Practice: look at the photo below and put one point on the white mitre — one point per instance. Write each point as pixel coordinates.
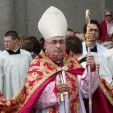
(52, 23)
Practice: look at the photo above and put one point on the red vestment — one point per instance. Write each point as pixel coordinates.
(102, 99)
(43, 71)
(103, 31)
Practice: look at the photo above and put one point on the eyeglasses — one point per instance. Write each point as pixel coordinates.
(55, 42)
(108, 15)
(94, 30)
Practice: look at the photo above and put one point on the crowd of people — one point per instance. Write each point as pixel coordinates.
(52, 75)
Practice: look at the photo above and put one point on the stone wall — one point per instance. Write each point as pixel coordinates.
(23, 15)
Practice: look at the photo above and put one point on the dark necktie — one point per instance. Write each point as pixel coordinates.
(93, 49)
(13, 52)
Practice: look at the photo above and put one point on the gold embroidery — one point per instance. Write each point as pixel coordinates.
(33, 81)
(108, 93)
(50, 110)
(74, 93)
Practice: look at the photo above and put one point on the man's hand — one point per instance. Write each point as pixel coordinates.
(90, 60)
(61, 87)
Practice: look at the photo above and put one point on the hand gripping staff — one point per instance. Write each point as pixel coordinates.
(88, 37)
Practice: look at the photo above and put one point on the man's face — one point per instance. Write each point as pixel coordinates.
(69, 33)
(94, 31)
(9, 43)
(108, 16)
(55, 47)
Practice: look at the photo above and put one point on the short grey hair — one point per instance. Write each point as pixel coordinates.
(107, 10)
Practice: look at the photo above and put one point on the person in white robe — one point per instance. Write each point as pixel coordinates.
(106, 67)
(96, 48)
(51, 25)
(14, 65)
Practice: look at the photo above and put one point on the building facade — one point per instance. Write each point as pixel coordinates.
(23, 15)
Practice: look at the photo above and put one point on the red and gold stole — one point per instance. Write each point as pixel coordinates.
(42, 71)
(102, 98)
(106, 89)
